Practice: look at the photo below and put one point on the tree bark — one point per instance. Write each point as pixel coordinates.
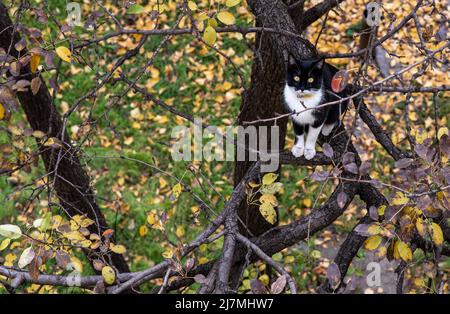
(71, 181)
(264, 97)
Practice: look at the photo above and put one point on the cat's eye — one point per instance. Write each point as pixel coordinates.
(310, 80)
(296, 78)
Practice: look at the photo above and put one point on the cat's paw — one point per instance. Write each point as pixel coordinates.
(297, 151)
(310, 153)
(326, 130)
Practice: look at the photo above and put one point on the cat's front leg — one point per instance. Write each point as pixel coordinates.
(311, 139)
(299, 148)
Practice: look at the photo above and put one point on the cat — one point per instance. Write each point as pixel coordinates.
(308, 85)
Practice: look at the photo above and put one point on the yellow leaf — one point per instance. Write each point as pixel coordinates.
(151, 218)
(253, 185)
(399, 199)
(143, 230)
(202, 16)
(64, 53)
(159, 7)
(289, 259)
(34, 63)
(381, 210)
(269, 178)
(77, 264)
(404, 251)
(192, 5)
(307, 202)
(108, 274)
(180, 231)
(118, 249)
(226, 17)
(372, 242)
(442, 131)
(436, 234)
(2, 112)
(210, 35)
(176, 190)
(202, 248)
(52, 141)
(381, 252)
(168, 254)
(5, 244)
(268, 212)
(269, 198)
(232, 3)
(271, 188)
(264, 279)
(74, 236)
(421, 227)
(374, 229)
(9, 259)
(421, 136)
(212, 22)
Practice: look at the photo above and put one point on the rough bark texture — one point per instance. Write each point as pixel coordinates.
(71, 182)
(264, 97)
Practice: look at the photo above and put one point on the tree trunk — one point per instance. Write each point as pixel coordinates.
(264, 97)
(62, 164)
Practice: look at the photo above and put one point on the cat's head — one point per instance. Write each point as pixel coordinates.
(304, 76)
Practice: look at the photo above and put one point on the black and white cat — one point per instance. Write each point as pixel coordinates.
(308, 85)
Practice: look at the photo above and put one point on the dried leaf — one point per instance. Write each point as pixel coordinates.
(339, 81)
(199, 278)
(257, 287)
(35, 85)
(10, 231)
(26, 257)
(373, 212)
(327, 150)
(34, 62)
(342, 199)
(279, 284)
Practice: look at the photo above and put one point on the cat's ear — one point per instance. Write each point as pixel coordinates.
(291, 60)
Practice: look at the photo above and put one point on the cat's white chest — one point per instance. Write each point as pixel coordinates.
(297, 104)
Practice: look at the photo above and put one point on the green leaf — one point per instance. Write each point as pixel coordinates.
(135, 9)
(232, 3)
